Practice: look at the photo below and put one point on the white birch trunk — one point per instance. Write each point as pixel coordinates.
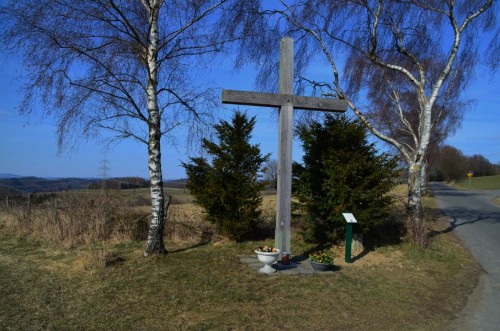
(155, 236)
(415, 190)
(416, 174)
(416, 227)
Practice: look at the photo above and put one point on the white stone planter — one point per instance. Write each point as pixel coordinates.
(268, 258)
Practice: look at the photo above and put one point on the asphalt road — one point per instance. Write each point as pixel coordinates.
(476, 221)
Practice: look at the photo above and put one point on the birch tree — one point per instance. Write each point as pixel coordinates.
(123, 66)
(409, 60)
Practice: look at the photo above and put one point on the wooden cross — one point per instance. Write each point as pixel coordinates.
(286, 101)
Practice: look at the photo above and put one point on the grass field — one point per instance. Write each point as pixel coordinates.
(179, 195)
(206, 287)
(479, 183)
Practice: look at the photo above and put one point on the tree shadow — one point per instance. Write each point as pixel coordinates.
(455, 215)
(459, 216)
(206, 238)
(360, 255)
(180, 250)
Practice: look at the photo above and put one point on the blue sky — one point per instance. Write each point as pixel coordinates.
(28, 143)
(480, 132)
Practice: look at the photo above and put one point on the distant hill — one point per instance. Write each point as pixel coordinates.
(15, 185)
(26, 185)
(9, 176)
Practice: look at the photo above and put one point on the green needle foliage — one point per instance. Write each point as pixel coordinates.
(341, 172)
(228, 189)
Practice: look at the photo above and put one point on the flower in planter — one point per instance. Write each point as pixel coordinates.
(267, 249)
(322, 257)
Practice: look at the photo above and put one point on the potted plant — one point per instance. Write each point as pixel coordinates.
(321, 261)
(267, 255)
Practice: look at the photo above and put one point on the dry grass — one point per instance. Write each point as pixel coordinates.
(95, 219)
(203, 286)
(207, 288)
(185, 223)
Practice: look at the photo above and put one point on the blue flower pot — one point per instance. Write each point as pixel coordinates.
(320, 266)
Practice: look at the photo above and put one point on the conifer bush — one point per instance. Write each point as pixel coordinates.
(341, 172)
(226, 186)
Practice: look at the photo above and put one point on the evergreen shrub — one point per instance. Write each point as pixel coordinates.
(341, 172)
(227, 187)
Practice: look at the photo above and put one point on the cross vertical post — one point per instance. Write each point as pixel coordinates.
(284, 203)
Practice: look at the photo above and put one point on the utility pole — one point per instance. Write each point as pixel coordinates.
(104, 171)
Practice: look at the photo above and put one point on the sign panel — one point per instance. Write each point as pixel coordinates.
(349, 218)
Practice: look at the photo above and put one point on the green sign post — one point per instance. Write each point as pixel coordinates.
(350, 220)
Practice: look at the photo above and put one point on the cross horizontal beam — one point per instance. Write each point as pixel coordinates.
(277, 100)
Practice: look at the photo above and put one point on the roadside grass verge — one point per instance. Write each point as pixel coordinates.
(479, 183)
(207, 288)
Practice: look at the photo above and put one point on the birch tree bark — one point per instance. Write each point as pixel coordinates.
(155, 235)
